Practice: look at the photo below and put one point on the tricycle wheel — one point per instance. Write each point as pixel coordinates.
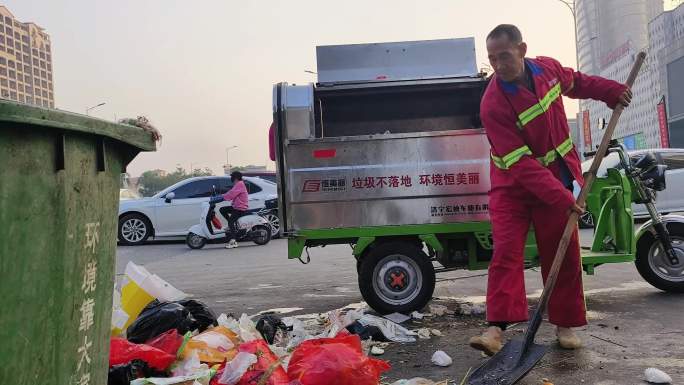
(396, 277)
(653, 264)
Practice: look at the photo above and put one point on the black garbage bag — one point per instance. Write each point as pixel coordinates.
(367, 332)
(160, 317)
(124, 374)
(269, 325)
(204, 316)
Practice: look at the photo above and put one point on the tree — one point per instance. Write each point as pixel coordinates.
(153, 181)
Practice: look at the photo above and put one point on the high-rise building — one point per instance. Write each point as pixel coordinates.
(666, 34)
(25, 62)
(609, 34)
(574, 130)
(672, 4)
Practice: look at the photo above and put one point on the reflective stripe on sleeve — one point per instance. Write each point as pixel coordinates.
(505, 162)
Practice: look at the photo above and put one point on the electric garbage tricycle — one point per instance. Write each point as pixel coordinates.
(386, 152)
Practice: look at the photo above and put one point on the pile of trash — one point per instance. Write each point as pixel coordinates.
(160, 337)
(232, 351)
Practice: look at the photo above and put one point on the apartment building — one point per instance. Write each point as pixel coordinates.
(25, 62)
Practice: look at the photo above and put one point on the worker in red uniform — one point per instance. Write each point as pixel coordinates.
(533, 165)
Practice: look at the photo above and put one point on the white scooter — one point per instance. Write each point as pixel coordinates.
(251, 227)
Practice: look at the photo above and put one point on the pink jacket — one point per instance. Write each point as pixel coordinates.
(238, 194)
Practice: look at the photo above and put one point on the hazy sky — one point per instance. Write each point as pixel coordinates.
(202, 71)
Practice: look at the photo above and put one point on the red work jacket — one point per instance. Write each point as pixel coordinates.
(529, 131)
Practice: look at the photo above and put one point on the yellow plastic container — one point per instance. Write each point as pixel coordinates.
(140, 287)
(133, 300)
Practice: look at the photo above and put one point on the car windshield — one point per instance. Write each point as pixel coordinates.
(173, 187)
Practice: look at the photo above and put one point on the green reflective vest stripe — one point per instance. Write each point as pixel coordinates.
(541, 107)
(505, 162)
(562, 149)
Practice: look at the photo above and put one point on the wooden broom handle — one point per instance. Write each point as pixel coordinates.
(589, 178)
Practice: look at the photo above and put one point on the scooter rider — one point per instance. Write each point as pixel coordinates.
(238, 197)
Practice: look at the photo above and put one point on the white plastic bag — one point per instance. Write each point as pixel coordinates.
(236, 368)
(298, 334)
(392, 331)
(336, 323)
(440, 358)
(119, 316)
(353, 316)
(248, 331)
(189, 366)
(215, 340)
(414, 381)
(657, 376)
(229, 322)
(244, 327)
(201, 377)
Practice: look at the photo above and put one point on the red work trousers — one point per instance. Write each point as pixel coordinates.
(511, 213)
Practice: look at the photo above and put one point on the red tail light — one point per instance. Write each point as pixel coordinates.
(216, 222)
(325, 153)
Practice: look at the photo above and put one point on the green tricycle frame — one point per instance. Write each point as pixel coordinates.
(615, 241)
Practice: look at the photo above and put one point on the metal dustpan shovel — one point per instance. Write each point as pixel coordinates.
(519, 356)
(516, 358)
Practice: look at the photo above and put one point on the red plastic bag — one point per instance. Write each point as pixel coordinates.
(338, 360)
(122, 352)
(168, 342)
(266, 360)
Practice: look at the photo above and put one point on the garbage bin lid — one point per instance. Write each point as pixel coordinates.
(62, 120)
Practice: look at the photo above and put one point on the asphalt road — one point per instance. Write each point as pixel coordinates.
(632, 325)
(254, 278)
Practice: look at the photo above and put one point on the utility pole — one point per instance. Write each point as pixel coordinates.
(580, 123)
(227, 168)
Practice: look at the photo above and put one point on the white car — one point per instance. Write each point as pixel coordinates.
(172, 211)
(669, 200)
(125, 194)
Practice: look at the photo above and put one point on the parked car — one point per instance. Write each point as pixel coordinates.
(125, 194)
(268, 175)
(669, 200)
(172, 211)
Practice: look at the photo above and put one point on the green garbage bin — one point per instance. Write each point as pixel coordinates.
(59, 192)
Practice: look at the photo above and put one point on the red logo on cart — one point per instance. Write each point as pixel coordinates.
(312, 185)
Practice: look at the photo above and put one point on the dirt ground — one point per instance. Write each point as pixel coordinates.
(627, 333)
